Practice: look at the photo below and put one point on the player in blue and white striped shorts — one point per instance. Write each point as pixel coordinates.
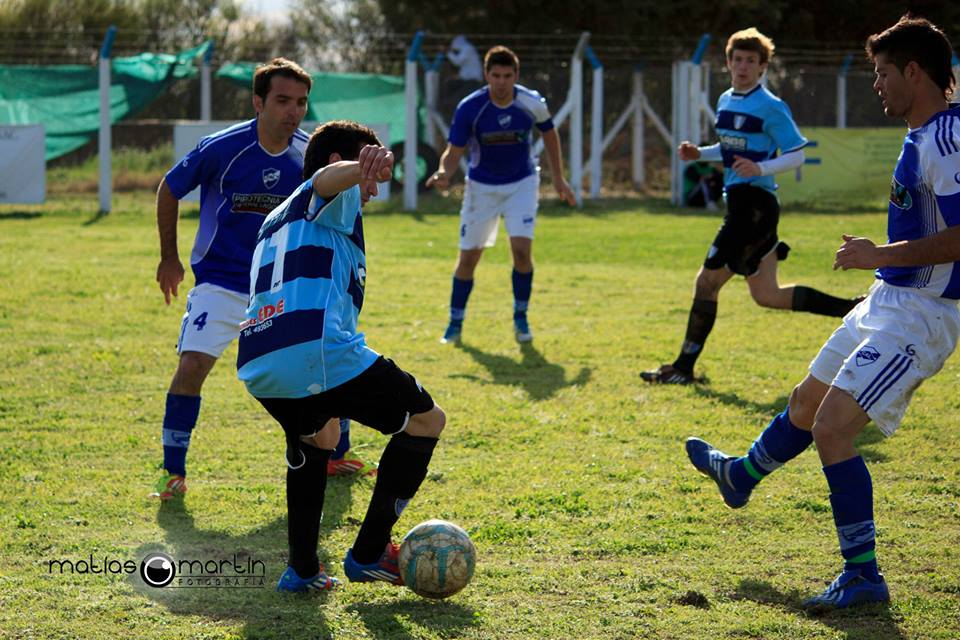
(898, 337)
(496, 123)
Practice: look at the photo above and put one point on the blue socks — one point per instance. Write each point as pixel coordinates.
(179, 420)
(522, 287)
(344, 444)
(458, 300)
(851, 496)
(779, 443)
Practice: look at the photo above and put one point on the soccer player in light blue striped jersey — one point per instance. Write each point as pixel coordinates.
(304, 360)
(496, 124)
(758, 138)
(899, 336)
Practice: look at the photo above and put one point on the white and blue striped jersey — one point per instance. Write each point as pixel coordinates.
(499, 138)
(306, 286)
(754, 125)
(925, 199)
(240, 183)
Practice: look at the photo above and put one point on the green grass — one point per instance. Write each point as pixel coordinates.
(568, 473)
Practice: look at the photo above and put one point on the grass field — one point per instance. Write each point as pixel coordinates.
(568, 472)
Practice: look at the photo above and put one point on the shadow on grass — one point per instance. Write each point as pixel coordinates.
(733, 399)
(871, 435)
(866, 622)
(19, 215)
(95, 218)
(538, 377)
(391, 620)
(251, 599)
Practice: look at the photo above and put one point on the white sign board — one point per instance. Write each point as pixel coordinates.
(187, 135)
(23, 167)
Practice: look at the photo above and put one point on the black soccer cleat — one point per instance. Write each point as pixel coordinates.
(667, 374)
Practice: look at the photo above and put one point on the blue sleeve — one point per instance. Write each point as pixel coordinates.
(198, 167)
(339, 213)
(780, 126)
(546, 125)
(460, 128)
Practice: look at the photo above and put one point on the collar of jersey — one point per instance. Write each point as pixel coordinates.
(751, 92)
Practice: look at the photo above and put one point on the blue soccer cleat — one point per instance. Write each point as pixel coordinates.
(716, 464)
(386, 569)
(521, 330)
(292, 583)
(452, 334)
(849, 589)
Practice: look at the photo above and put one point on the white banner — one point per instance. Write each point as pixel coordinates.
(186, 136)
(22, 165)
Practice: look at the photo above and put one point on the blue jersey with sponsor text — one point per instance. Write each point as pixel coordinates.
(499, 139)
(240, 183)
(925, 199)
(755, 125)
(306, 286)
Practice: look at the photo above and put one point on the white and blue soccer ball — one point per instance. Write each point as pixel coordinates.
(437, 559)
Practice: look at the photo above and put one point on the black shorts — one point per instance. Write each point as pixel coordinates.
(382, 397)
(748, 232)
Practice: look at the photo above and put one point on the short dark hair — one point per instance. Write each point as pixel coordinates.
(344, 137)
(502, 57)
(278, 67)
(751, 40)
(916, 40)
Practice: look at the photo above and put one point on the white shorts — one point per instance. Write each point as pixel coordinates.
(886, 346)
(212, 320)
(483, 204)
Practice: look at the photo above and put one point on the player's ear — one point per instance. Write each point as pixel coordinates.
(334, 157)
(257, 104)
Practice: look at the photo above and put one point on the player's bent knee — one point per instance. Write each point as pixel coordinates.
(192, 370)
(428, 424)
(327, 437)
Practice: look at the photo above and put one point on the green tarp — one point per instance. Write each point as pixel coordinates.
(855, 166)
(364, 97)
(66, 98)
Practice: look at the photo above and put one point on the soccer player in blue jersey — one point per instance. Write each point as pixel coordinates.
(302, 357)
(496, 123)
(898, 337)
(243, 173)
(754, 126)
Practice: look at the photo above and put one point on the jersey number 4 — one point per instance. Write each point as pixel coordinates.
(201, 321)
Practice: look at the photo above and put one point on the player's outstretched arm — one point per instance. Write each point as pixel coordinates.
(373, 165)
(448, 167)
(688, 151)
(551, 143)
(170, 269)
(862, 253)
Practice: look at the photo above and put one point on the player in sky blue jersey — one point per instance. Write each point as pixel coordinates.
(243, 173)
(496, 124)
(754, 126)
(898, 337)
(303, 359)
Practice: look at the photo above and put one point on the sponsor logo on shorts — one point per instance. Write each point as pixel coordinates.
(956, 177)
(867, 355)
(271, 177)
(712, 251)
(528, 220)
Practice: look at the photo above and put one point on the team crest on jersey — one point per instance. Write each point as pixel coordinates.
(271, 177)
(900, 195)
(867, 355)
(505, 120)
(739, 121)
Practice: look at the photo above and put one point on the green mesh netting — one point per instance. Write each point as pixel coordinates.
(66, 98)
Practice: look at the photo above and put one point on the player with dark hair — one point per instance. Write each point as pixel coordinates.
(302, 358)
(754, 126)
(243, 173)
(496, 122)
(898, 337)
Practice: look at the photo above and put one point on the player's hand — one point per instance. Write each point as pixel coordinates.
(688, 151)
(565, 191)
(376, 163)
(439, 180)
(857, 253)
(745, 167)
(169, 275)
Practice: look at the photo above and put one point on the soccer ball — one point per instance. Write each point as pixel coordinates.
(437, 559)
